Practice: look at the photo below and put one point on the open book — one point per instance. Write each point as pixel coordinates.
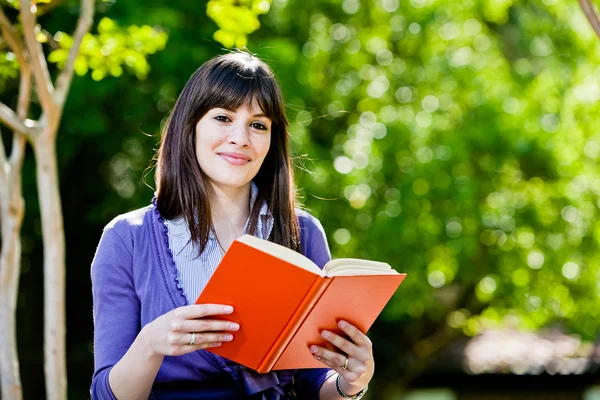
(282, 301)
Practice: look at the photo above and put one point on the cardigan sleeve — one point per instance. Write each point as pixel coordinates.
(308, 382)
(116, 307)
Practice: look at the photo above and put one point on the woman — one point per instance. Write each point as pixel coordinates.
(223, 170)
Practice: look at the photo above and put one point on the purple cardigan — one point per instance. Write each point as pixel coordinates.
(134, 281)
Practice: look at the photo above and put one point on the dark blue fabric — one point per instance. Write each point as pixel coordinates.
(195, 391)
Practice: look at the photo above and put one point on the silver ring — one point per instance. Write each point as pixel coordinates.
(193, 340)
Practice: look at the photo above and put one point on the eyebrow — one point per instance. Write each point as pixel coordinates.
(255, 115)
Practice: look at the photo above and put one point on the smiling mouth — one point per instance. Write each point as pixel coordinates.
(234, 160)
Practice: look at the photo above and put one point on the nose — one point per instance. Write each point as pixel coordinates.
(239, 135)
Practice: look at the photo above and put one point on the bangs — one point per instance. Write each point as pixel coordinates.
(238, 84)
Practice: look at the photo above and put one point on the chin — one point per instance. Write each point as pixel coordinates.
(231, 182)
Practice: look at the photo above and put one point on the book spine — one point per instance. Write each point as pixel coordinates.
(296, 320)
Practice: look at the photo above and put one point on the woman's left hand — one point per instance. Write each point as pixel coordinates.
(359, 350)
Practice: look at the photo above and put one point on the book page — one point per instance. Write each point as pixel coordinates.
(281, 252)
(355, 266)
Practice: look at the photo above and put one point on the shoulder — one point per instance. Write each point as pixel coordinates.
(309, 222)
(129, 224)
(311, 229)
(130, 220)
(113, 262)
(313, 238)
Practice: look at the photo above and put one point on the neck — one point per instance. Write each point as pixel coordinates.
(229, 207)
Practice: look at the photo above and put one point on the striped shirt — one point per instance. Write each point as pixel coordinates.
(193, 271)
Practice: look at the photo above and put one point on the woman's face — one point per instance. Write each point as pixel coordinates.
(231, 145)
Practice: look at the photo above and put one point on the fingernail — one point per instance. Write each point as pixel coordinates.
(228, 309)
(314, 349)
(343, 324)
(235, 326)
(325, 334)
(228, 337)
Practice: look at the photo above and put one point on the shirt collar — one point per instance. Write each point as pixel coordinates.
(180, 233)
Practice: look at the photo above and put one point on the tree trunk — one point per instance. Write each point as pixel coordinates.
(12, 210)
(11, 215)
(54, 265)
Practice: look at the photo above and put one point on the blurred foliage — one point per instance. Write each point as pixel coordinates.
(456, 141)
(236, 19)
(106, 53)
(113, 48)
(9, 69)
(15, 3)
(468, 158)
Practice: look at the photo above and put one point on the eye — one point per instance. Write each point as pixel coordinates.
(223, 118)
(261, 126)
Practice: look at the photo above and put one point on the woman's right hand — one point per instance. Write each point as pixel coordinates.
(171, 333)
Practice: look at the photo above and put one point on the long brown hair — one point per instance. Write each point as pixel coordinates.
(226, 81)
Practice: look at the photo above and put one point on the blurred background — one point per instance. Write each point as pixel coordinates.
(457, 141)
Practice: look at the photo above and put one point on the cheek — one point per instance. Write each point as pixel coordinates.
(262, 146)
(206, 143)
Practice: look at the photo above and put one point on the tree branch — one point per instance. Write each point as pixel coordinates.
(591, 15)
(24, 101)
(6, 114)
(18, 122)
(53, 43)
(3, 163)
(11, 120)
(47, 7)
(15, 43)
(86, 18)
(41, 75)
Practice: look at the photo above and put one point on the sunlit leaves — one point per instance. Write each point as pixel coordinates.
(9, 68)
(496, 11)
(112, 50)
(15, 3)
(236, 19)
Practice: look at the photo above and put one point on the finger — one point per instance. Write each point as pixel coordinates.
(355, 334)
(204, 345)
(201, 310)
(200, 346)
(350, 376)
(346, 346)
(332, 356)
(204, 338)
(203, 325)
(178, 350)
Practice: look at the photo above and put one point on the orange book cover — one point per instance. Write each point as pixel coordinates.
(282, 307)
